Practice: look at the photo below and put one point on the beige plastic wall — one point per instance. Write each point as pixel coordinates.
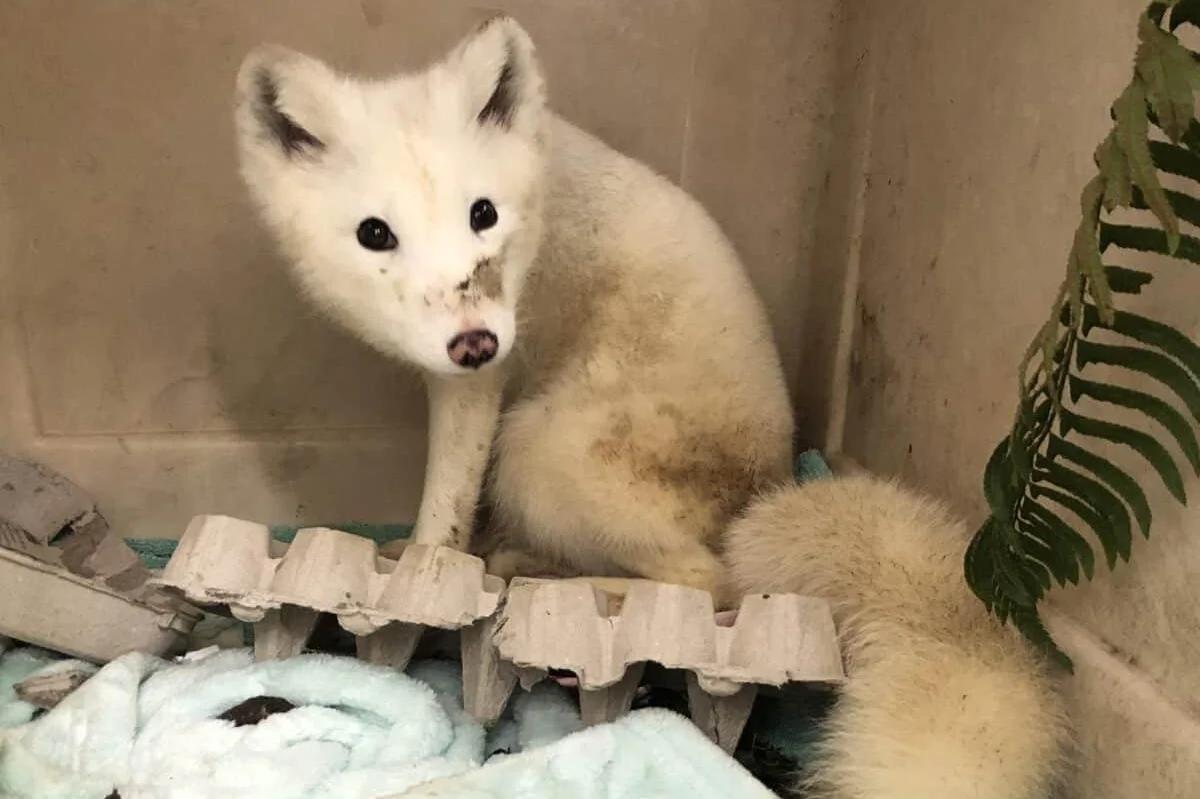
(152, 348)
(965, 137)
(906, 237)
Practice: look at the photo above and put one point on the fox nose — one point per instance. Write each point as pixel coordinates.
(473, 348)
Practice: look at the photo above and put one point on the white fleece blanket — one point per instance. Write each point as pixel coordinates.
(649, 754)
(150, 730)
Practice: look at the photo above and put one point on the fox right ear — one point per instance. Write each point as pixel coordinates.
(283, 102)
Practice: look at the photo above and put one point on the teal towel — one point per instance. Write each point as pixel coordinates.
(810, 465)
(155, 552)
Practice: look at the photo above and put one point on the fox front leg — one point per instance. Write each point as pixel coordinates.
(463, 414)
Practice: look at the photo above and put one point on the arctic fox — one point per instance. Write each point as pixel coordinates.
(941, 701)
(452, 221)
(591, 342)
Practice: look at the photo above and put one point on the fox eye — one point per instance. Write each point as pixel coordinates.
(483, 215)
(374, 234)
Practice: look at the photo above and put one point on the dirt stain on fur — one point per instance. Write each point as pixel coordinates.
(590, 312)
(487, 278)
(459, 538)
(713, 482)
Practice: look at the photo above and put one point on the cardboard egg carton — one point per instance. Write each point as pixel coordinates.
(605, 635)
(385, 603)
(604, 630)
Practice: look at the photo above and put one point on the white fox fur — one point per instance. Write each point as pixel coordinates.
(644, 398)
(941, 702)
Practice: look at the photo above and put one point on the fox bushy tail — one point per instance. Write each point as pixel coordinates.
(941, 702)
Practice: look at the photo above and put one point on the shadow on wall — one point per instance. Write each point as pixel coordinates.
(290, 379)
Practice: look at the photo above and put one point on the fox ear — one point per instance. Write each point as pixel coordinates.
(501, 75)
(283, 102)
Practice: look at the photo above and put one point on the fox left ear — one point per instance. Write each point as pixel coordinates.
(502, 77)
(284, 103)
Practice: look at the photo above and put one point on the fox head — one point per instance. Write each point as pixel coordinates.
(410, 207)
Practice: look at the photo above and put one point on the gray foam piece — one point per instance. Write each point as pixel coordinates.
(37, 503)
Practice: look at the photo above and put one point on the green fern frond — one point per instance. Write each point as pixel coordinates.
(1044, 471)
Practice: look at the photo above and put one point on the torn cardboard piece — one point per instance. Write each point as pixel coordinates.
(46, 516)
(45, 605)
(67, 583)
(37, 502)
(386, 604)
(54, 683)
